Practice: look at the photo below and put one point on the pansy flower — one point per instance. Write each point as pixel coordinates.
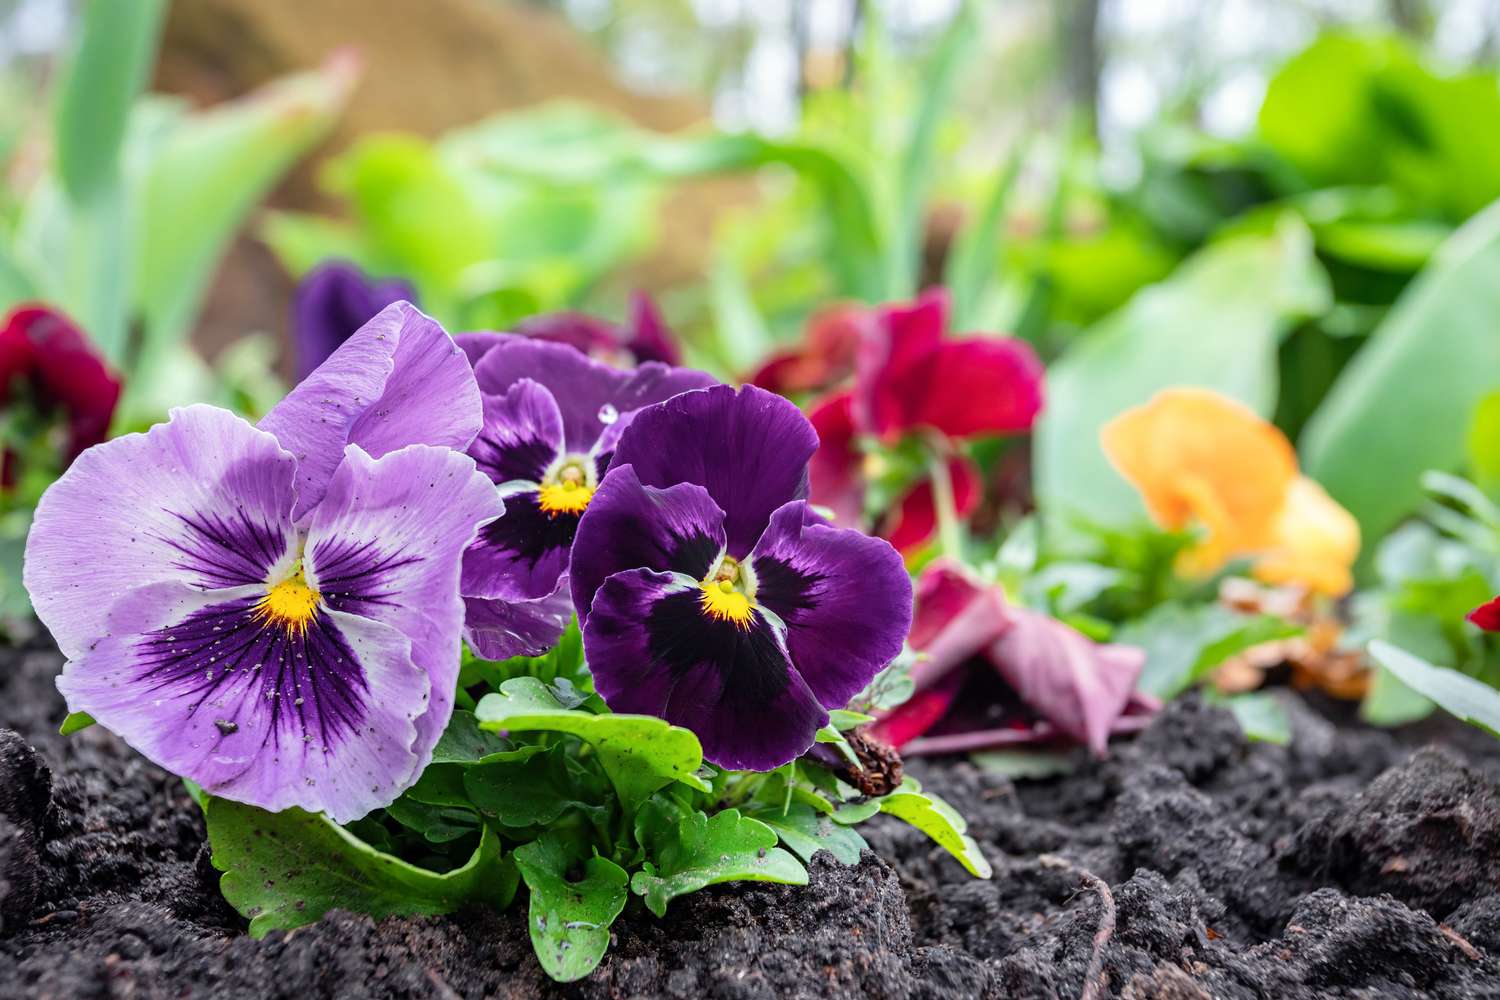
(644, 336)
(273, 611)
(910, 380)
(994, 674)
(47, 363)
(552, 416)
(712, 596)
(824, 358)
(1201, 458)
(332, 301)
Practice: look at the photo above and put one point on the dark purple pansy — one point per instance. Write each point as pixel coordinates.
(273, 611)
(333, 300)
(712, 596)
(551, 418)
(644, 336)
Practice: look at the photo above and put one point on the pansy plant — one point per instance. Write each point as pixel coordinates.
(283, 631)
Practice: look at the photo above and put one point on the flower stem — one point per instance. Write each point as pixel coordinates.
(950, 532)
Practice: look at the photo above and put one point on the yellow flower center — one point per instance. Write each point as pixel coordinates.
(290, 603)
(566, 491)
(728, 593)
(566, 497)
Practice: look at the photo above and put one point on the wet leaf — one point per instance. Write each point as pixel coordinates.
(640, 753)
(569, 920)
(938, 820)
(804, 832)
(287, 869)
(690, 851)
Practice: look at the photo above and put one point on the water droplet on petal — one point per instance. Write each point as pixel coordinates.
(608, 414)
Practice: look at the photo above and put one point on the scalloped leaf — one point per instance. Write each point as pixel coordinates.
(938, 820)
(805, 832)
(286, 869)
(569, 920)
(640, 753)
(692, 850)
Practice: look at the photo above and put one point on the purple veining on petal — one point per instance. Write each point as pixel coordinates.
(522, 434)
(226, 548)
(355, 575)
(522, 554)
(310, 680)
(653, 650)
(630, 526)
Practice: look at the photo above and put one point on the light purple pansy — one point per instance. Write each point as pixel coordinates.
(551, 419)
(712, 596)
(273, 611)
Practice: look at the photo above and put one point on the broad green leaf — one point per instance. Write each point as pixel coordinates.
(75, 722)
(569, 919)
(938, 820)
(1215, 323)
(1459, 694)
(692, 851)
(533, 791)
(438, 824)
(1183, 643)
(463, 742)
(1023, 765)
(1405, 403)
(805, 832)
(104, 77)
(209, 172)
(287, 869)
(640, 753)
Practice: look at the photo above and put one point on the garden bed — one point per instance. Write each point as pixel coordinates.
(1352, 863)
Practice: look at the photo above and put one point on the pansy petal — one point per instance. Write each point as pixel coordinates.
(1315, 544)
(590, 394)
(748, 448)
(631, 526)
(399, 380)
(649, 338)
(1487, 615)
(202, 499)
(652, 650)
(332, 301)
(476, 344)
(521, 555)
(899, 335)
(845, 599)
(914, 521)
(322, 718)
(833, 473)
(498, 630)
(522, 434)
(989, 385)
(69, 372)
(386, 544)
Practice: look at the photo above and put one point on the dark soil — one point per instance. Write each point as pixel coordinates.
(1353, 863)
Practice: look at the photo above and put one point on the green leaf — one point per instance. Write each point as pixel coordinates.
(211, 169)
(640, 753)
(1483, 450)
(1260, 716)
(1459, 694)
(530, 791)
(569, 919)
(842, 719)
(938, 820)
(1023, 765)
(692, 851)
(805, 832)
(75, 722)
(1183, 643)
(464, 742)
(287, 869)
(103, 80)
(974, 263)
(1437, 354)
(1215, 323)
